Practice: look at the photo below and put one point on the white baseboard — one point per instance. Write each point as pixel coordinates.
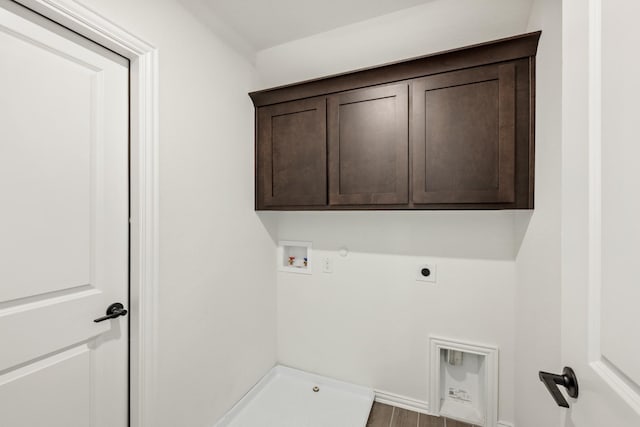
(402, 402)
(414, 405)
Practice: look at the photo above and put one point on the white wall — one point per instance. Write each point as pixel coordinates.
(432, 27)
(538, 261)
(216, 328)
(369, 321)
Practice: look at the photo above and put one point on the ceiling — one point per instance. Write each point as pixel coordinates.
(260, 24)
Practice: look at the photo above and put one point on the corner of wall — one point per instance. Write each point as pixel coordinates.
(538, 259)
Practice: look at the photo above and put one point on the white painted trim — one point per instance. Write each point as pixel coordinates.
(491, 374)
(624, 389)
(410, 404)
(595, 180)
(144, 142)
(403, 402)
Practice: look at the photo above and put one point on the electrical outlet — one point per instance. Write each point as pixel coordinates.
(327, 265)
(426, 273)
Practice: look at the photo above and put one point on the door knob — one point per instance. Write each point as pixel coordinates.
(567, 379)
(114, 310)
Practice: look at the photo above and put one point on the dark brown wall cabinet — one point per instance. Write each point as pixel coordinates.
(369, 146)
(446, 131)
(292, 153)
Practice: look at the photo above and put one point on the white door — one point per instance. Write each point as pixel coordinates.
(601, 211)
(63, 226)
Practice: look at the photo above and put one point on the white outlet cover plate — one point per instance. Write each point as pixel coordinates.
(431, 278)
(327, 265)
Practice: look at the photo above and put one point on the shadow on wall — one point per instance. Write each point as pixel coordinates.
(494, 235)
(270, 223)
(568, 422)
(521, 223)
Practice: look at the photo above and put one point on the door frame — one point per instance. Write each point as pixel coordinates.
(143, 192)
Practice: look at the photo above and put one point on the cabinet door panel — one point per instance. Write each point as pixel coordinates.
(292, 154)
(463, 136)
(368, 146)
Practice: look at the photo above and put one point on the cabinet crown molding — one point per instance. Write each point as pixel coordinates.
(506, 49)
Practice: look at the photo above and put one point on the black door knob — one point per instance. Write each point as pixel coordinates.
(114, 310)
(568, 380)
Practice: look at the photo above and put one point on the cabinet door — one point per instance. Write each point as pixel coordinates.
(464, 136)
(292, 154)
(368, 146)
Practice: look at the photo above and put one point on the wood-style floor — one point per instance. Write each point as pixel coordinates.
(389, 416)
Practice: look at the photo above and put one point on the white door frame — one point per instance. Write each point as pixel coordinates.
(144, 145)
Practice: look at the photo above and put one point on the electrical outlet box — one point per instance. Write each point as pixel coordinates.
(426, 273)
